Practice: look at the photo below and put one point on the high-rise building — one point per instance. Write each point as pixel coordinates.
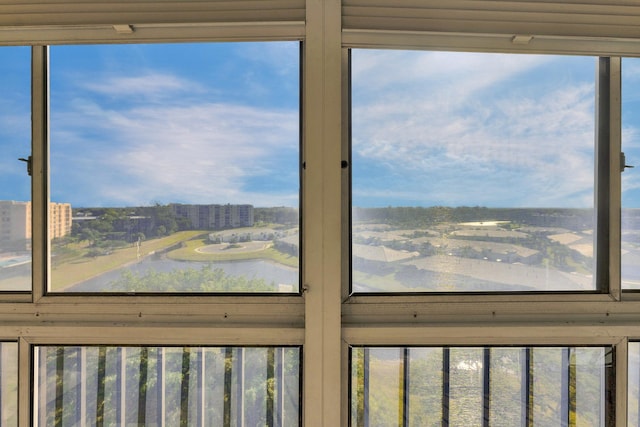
(215, 217)
(15, 222)
(59, 219)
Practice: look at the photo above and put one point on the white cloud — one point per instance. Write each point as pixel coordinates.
(464, 136)
(149, 84)
(277, 56)
(203, 153)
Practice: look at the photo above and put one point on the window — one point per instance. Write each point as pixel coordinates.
(472, 172)
(8, 383)
(174, 168)
(15, 196)
(538, 386)
(630, 227)
(633, 398)
(342, 96)
(108, 385)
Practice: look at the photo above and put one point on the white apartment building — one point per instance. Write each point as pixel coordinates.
(215, 217)
(15, 221)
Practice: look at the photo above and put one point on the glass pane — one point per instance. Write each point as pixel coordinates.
(633, 386)
(167, 386)
(472, 172)
(465, 386)
(15, 184)
(180, 165)
(506, 370)
(8, 384)
(534, 386)
(630, 215)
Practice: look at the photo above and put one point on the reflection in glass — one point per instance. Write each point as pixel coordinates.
(167, 386)
(633, 385)
(8, 384)
(533, 386)
(175, 168)
(630, 214)
(472, 172)
(15, 184)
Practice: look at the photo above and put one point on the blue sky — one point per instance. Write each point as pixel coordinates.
(473, 129)
(218, 123)
(194, 123)
(15, 122)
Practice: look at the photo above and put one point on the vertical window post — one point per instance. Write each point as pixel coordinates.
(40, 169)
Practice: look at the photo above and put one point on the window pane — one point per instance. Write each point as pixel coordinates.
(179, 165)
(633, 386)
(472, 172)
(630, 215)
(214, 386)
(15, 184)
(8, 384)
(533, 386)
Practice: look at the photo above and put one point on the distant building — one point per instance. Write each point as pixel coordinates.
(215, 217)
(60, 220)
(15, 223)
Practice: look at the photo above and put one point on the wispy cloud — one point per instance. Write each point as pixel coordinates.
(472, 129)
(198, 153)
(148, 84)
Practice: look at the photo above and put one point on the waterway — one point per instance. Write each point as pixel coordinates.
(285, 279)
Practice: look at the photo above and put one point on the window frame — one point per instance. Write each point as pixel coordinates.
(485, 414)
(606, 163)
(325, 319)
(40, 216)
(462, 319)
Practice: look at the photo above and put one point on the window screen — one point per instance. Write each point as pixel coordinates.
(175, 168)
(471, 172)
(222, 386)
(490, 386)
(15, 183)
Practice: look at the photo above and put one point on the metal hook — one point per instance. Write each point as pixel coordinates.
(28, 162)
(623, 163)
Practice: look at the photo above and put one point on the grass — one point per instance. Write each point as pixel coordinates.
(188, 253)
(74, 267)
(82, 268)
(387, 283)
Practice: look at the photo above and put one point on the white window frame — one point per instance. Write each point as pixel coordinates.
(325, 319)
(607, 318)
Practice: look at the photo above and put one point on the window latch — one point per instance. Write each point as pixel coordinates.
(28, 162)
(623, 163)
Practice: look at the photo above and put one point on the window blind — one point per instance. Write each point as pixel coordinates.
(568, 18)
(593, 27)
(96, 21)
(100, 12)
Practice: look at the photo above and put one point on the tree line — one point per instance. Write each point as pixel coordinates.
(422, 217)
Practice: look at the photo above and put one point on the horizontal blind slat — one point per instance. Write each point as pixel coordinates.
(585, 18)
(506, 28)
(498, 16)
(85, 12)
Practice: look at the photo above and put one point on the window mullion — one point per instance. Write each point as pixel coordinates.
(615, 180)
(621, 366)
(25, 387)
(322, 215)
(40, 175)
(607, 242)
